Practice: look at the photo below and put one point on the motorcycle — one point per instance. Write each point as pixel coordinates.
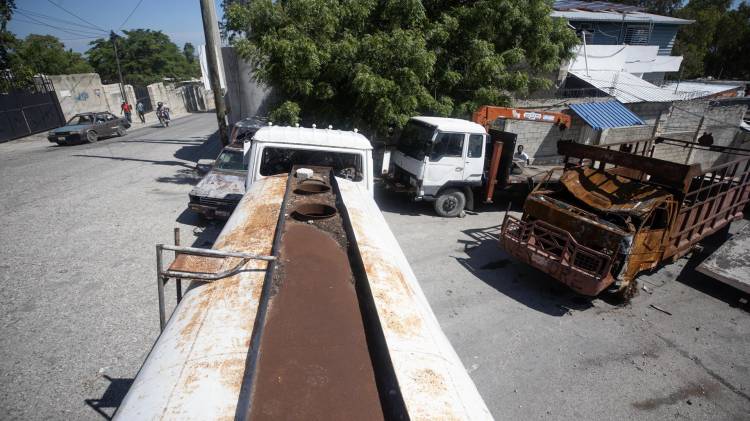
(163, 115)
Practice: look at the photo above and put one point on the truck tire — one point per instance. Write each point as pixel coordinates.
(450, 203)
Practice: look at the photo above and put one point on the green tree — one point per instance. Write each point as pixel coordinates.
(47, 55)
(7, 39)
(189, 51)
(729, 56)
(375, 63)
(146, 57)
(695, 41)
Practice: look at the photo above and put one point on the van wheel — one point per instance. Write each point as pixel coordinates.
(450, 203)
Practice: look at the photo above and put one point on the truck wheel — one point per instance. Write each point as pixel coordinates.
(91, 136)
(450, 203)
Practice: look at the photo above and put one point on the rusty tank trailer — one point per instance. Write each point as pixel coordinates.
(305, 308)
(618, 211)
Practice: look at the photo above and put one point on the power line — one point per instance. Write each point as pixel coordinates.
(75, 16)
(69, 31)
(131, 14)
(51, 18)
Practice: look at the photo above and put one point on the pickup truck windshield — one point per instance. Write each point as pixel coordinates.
(230, 161)
(415, 139)
(281, 160)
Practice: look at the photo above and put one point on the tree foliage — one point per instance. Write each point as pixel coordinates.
(695, 40)
(189, 51)
(47, 55)
(146, 57)
(375, 63)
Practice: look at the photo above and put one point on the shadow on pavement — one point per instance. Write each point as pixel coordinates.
(403, 203)
(112, 397)
(205, 230)
(516, 280)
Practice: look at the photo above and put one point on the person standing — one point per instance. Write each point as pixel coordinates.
(139, 109)
(127, 110)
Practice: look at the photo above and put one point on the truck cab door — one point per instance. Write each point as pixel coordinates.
(474, 158)
(445, 162)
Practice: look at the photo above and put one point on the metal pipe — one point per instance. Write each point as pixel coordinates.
(216, 253)
(178, 281)
(160, 287)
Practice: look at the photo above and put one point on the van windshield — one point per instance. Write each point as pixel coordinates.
(281, 160)
(415, 139)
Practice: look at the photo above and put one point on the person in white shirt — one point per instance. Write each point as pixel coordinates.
(521, 157)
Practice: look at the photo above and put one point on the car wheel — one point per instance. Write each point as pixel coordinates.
(91, 136)
(120, 131)
(450, 203)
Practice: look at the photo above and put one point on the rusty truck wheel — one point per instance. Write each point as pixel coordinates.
(450, 203)
(622, 291)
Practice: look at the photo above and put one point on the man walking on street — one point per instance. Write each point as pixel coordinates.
(126, 109)
(139, 108)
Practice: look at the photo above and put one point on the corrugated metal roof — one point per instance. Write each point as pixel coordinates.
(606, 115)
(582, 15)
(627, 88)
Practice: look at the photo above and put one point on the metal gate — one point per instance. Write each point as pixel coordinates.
(29, 109)
(142, 96)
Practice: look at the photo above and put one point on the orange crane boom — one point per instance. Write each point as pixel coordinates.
(487, 114)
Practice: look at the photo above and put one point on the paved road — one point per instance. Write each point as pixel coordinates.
(78, 227)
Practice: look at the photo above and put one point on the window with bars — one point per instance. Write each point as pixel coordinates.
(637, 34)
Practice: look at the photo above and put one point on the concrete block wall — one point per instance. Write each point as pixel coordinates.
(625, 134)
(539, 140)
(79, 93)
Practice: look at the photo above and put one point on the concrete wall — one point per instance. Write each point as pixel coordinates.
(539, 139)
(244, 96)
(79, 93)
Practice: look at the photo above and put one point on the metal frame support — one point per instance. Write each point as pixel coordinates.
(163, 276)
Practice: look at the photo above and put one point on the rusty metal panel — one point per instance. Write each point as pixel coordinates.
(671, 173)
(432, 380)
(196, 367)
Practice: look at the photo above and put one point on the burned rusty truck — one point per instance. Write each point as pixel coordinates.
(618, 211)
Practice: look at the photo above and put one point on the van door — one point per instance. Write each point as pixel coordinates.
(474, 161)
(445, 162)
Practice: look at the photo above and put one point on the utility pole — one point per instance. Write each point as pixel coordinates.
(113, 38)
(211, 31)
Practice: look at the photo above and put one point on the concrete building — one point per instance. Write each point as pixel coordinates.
(617, 37)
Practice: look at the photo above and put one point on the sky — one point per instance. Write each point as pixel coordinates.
(180, 19)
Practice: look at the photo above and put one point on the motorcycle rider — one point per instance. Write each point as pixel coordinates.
(162, 111)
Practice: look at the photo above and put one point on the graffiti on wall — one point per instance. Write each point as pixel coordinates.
(83, 96)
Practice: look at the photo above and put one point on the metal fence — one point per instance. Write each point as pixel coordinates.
(27, 107)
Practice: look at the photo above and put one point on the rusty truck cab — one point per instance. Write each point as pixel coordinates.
(606, 220)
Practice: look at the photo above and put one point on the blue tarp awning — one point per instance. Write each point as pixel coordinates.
(606, 115)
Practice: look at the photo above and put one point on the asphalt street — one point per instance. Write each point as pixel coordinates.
(79, 308)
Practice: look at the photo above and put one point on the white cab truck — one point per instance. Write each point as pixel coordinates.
(276, 149)
(441, 160)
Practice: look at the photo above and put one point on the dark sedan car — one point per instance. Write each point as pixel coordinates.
(89, 127)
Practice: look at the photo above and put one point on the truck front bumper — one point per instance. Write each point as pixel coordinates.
(556, 253)
(210, 212)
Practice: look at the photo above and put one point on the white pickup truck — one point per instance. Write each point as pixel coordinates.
(276, 149)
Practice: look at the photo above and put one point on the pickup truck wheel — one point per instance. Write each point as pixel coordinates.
(450, 203)
(91, 136)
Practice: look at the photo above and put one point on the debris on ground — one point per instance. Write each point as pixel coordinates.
(660, 309)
